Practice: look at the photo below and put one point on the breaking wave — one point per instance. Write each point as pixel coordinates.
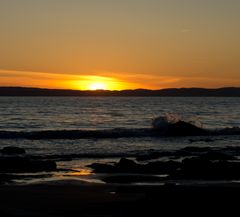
(163, 122)
(162, 126)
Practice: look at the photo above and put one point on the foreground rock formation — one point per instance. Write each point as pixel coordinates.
(208, 166)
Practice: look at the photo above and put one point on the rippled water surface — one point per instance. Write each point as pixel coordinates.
(67, 113)
(39, 113)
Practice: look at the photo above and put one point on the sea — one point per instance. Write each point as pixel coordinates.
(106, 114)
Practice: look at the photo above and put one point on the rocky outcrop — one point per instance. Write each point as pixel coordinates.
(25, 165)
(209, 166)
(182, 128)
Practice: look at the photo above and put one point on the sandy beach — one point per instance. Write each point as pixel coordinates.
(73, 198)
(66, 199)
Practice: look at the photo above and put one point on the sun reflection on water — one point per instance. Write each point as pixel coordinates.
(82, 172)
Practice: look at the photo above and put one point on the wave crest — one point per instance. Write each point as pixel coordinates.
(163, 122)
(162, 126)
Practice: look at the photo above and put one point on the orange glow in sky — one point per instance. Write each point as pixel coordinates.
(65, 81)
(117, 45)
(106, 81)
(89, 82)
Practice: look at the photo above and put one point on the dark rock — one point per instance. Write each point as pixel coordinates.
(216, 155)
(208, 166)
(184, 152)
(160, 167)
(201, 140)
(206, 153)
(182, 128)
(132, 179)
(195, 164)
(11, 150)
(131, 167)
(23, 164)
(194, 149)
(199, 168)
(126, 165)
(194, 168)
(123, 166)
(102, 168)
(154, 155)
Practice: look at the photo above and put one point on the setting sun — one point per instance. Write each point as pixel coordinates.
(92, 82)
(97, 86)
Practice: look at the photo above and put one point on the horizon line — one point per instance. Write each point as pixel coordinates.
(43, 88)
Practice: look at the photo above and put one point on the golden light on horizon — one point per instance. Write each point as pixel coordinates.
(97, 86)
(92, 82)
(106, 81)
(67, 81)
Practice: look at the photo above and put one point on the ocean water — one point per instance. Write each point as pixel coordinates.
(37, 114)
(54, 113)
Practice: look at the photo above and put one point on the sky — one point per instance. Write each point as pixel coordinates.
(119, 44)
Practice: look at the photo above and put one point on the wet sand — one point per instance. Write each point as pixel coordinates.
(73, 198)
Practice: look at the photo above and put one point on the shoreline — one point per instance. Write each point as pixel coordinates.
(73, 198)
(186, 165)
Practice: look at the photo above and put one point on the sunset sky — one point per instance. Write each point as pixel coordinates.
(120, 44)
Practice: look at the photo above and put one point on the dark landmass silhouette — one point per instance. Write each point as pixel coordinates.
(170, 92)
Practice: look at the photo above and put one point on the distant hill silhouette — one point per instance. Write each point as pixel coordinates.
(177, 92)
